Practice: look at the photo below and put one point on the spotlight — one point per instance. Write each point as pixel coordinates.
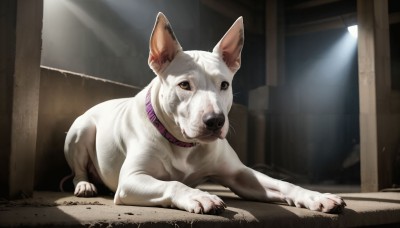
(353, 30)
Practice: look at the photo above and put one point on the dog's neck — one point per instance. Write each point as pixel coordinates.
(151, 114)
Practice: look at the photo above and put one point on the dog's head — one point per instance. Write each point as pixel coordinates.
(196, 86)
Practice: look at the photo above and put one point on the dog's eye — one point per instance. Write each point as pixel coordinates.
(224, 85)
(185, 85)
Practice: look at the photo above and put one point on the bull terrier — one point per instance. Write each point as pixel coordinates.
(154, 148)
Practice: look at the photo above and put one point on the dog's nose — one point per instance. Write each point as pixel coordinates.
(214, 121)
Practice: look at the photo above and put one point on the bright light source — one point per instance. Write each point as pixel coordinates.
(353, 30)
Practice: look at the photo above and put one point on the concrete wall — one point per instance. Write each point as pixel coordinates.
(63, 97)
(66, 95)
(109, 39)
(238, 132)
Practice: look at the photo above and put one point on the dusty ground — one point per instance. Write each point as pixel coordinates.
(61, 209)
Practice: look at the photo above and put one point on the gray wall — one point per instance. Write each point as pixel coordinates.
(109, 39)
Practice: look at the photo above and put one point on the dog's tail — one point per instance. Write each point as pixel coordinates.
(63, 180)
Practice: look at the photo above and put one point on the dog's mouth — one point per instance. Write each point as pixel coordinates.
(205, 137)
(210, 137)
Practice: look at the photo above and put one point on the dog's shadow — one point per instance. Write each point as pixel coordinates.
(239, 208)
(231, 202)
(228, 214)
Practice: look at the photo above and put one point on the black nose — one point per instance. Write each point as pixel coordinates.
(214, 121)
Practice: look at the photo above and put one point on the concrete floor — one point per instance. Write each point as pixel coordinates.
(56, 209)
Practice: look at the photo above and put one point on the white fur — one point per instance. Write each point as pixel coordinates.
(133, 159)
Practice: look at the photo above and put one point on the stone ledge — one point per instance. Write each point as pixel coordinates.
(56, 209)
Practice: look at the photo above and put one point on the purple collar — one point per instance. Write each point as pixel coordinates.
(160, 127)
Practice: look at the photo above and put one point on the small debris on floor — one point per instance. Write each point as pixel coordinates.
(70, 203)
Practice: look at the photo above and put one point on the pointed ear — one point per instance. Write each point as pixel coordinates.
(231, 44)
(163, 44)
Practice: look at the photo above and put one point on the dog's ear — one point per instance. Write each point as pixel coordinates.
(231, 44)
(163, 44)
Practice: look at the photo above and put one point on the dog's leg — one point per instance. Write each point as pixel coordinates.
(79, 142)
(253, 185)
(144, 190)
(250, 184)
(141, 188)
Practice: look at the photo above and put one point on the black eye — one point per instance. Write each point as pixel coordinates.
(185, 85)
(224, 85)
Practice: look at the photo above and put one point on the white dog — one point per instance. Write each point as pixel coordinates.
(154, 148)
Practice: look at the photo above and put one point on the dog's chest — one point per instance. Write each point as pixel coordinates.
(190, 168)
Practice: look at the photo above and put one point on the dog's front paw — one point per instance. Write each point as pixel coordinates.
(323, 202)
(200, 202)
(328, 203)
(85, 189)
